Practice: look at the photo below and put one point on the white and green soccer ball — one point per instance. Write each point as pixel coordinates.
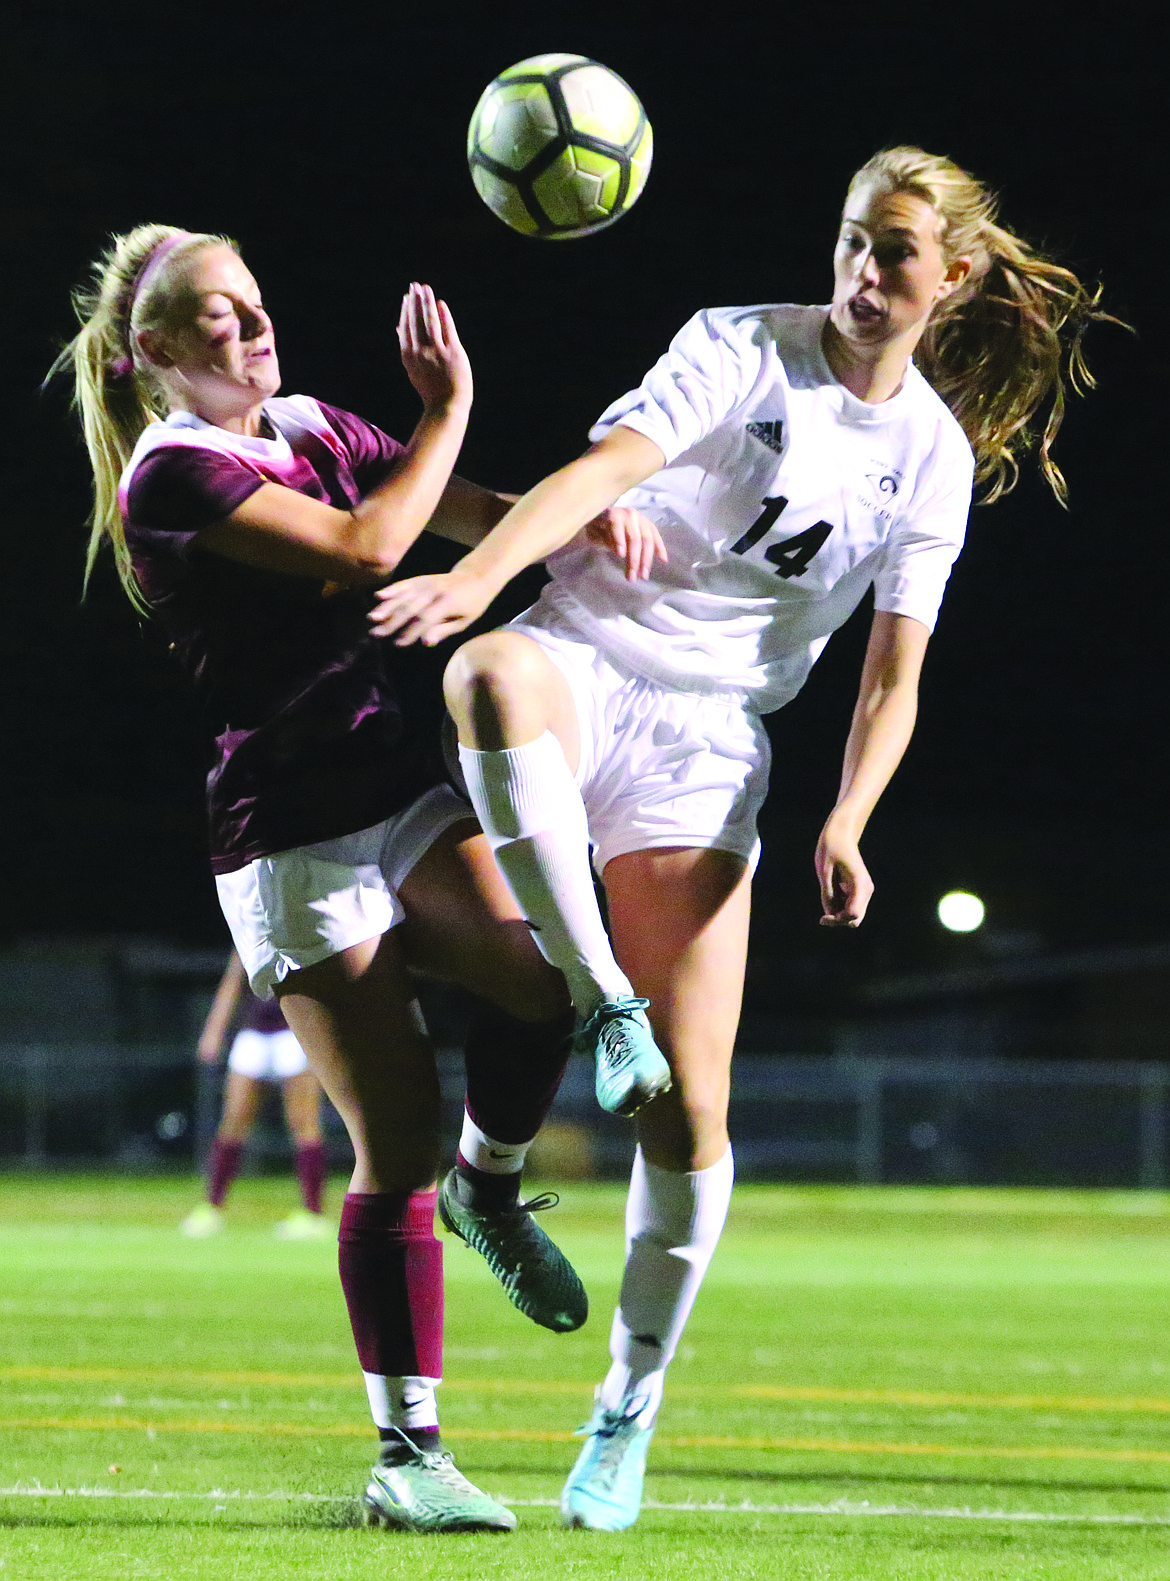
(559, 146)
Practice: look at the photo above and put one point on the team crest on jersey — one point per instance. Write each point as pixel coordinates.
(884, 482)
(770, 434)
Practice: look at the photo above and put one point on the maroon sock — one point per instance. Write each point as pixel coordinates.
(392, 1274)
(514, 1069)
(311, 1165)
(222, 1168)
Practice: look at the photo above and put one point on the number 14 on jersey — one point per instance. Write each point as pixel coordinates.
(794, 555)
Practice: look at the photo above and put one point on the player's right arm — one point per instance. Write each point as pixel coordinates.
(707, 371)
(428, 608)
(278, 529)
(223, 1007)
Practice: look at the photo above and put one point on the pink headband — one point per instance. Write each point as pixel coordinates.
(123, 367)
(151, 265)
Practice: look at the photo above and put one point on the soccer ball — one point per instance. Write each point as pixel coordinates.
(559, 146)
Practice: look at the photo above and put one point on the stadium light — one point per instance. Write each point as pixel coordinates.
(960, 912)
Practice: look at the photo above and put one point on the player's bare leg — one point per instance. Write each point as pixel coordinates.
(241, 1105)
(680, 921)
(301, 1095)
(503, 690)
(353, 1016)
(520, 749)
(680, 928)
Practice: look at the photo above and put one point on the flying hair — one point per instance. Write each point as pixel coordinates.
(114, 391)
(1005, 348)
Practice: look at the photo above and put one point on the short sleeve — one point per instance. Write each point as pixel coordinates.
(372, 454)
(708, 370)
(925, 542)
(178, 490)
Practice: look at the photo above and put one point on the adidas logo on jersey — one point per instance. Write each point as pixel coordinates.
(770, 434)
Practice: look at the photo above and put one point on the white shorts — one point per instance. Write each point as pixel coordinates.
(299, 907)
(658, 767)
(266, 1056)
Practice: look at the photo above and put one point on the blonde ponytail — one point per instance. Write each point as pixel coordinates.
(113, 391)
(1008, 343)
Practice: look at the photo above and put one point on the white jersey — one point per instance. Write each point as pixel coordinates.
(782, 500)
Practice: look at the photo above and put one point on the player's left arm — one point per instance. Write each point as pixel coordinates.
(883, 722)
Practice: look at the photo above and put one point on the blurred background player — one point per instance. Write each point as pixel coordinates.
(263, 1051)
(792, 458)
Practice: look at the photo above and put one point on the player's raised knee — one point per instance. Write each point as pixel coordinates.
(497, 688)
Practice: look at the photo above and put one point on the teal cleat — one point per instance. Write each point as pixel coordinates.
(604, 1489)
(423, 1492)
(536, 1275)
(630, 1066)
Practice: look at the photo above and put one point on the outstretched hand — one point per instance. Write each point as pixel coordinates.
(428, 608)
(846, 887)
(434, 359)
(632, 537)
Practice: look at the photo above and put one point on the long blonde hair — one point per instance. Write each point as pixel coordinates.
(1007, 344)
(113, 389)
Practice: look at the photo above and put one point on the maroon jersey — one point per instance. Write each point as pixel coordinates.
(308, 735)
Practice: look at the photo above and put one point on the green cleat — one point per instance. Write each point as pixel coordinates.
(536, 1275)
(604, 1488)
(425, 1493)
(631, 1068)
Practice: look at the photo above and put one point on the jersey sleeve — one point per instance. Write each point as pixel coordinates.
(708, 370)
(178, 490)
(925, 542)
(372, 454)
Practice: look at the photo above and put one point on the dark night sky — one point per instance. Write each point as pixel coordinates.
(334, 151)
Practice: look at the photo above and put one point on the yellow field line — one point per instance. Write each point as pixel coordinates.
(567, 1386)
(531, 1436)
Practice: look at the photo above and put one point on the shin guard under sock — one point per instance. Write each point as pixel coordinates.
(531, 810)
(391, 1269)
(673, 1224)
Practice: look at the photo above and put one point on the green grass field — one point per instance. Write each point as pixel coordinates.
(876, 1383)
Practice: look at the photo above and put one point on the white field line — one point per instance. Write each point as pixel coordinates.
(222, 1496)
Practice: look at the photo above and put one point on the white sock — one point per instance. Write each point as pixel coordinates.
(673, 1224)
(484, 1152)
(532, 813)
(402, 1402)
